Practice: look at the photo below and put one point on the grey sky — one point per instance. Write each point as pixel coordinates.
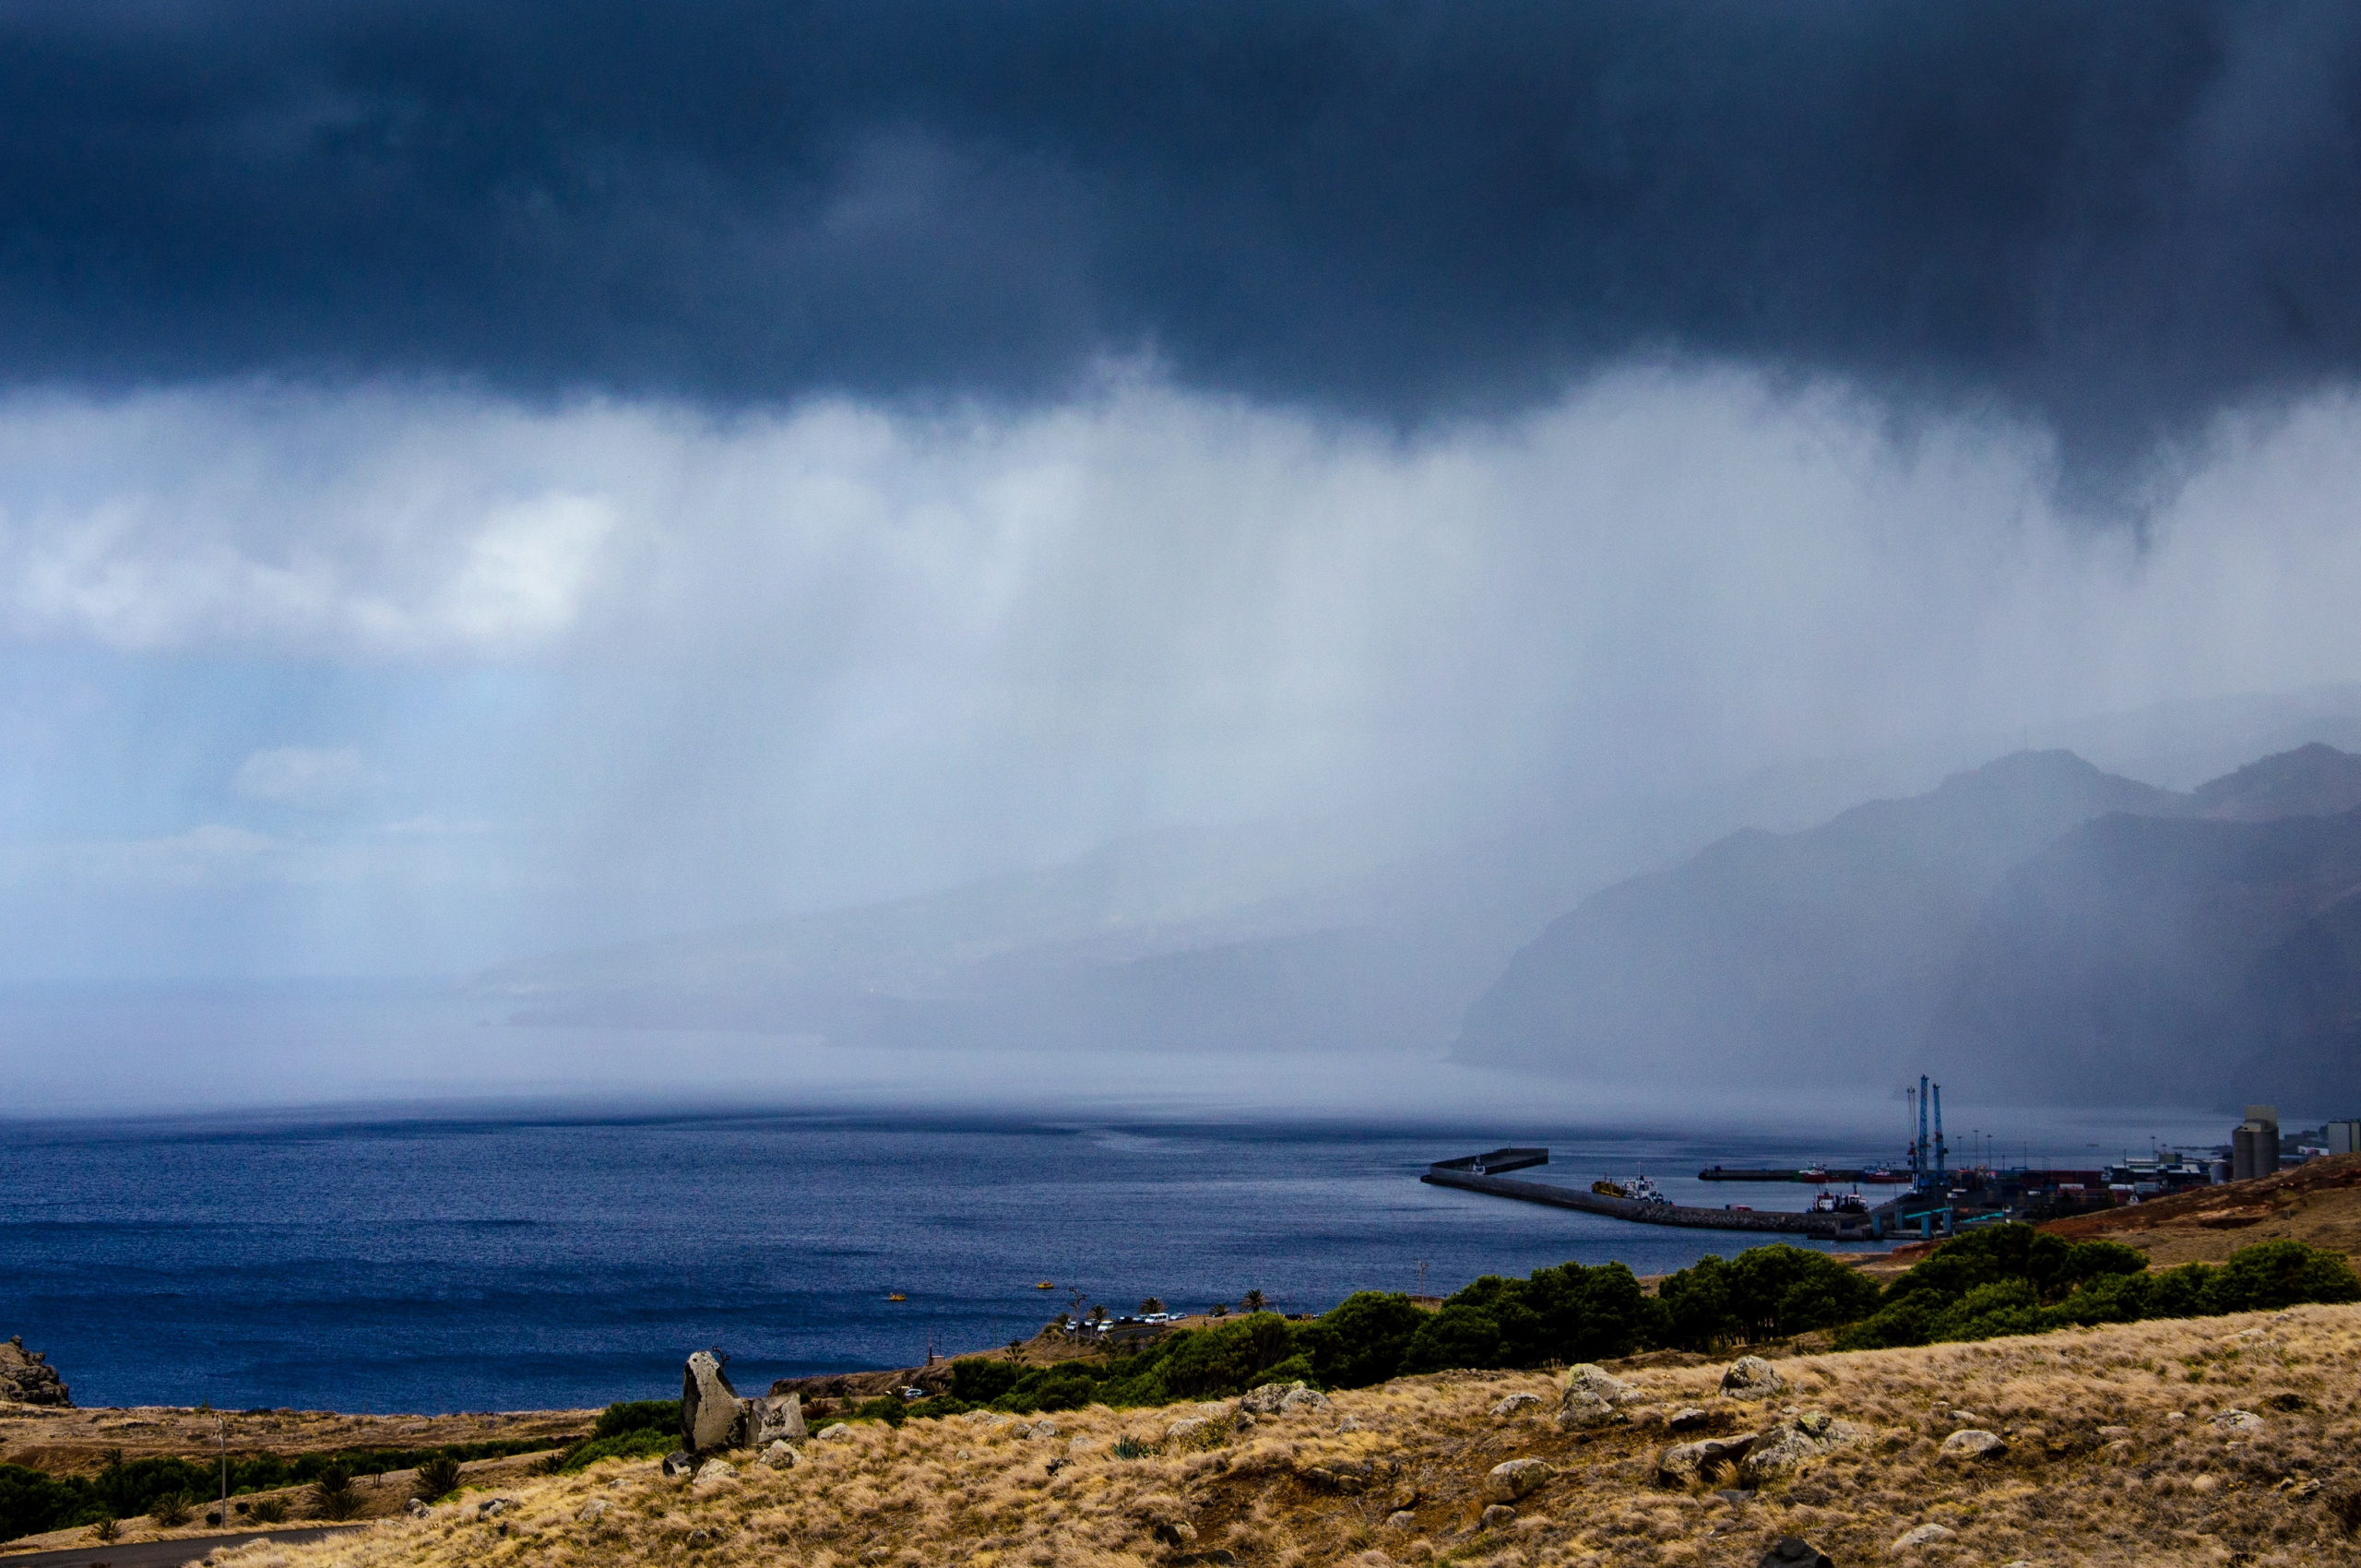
(478, 480)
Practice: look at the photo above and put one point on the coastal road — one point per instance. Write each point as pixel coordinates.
(159, 1553)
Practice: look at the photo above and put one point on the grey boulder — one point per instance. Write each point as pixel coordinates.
(776, 1417)
(1792, 1442)
(1752, 1377)
(1268, 1399)
(1794, 1552)
(710, 1408)
(1591, 1398)
(1687, 1461)
(1515, 1478)
(1973, 1442)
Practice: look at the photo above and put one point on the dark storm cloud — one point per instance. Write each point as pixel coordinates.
(2116, 219)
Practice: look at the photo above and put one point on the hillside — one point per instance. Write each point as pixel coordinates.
(1784, 954)
(2159, 960)
(2317, 1204)
(2045, 931)
(2198, 1441)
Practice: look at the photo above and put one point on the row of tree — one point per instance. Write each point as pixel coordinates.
(2001, 1279)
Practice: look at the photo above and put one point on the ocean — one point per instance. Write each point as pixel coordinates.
(429, 1264)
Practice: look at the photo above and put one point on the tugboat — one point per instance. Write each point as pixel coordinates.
(1840, 1203)
(1641, 1190)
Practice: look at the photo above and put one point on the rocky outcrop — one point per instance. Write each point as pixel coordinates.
(711, 1412)
(1516, 1402)
(27, 1378)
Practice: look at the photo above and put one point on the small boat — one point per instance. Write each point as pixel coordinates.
(1607, 1188)
(1043, 1284)
(895, 1296)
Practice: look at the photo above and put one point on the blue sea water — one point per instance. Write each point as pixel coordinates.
(432, 1266)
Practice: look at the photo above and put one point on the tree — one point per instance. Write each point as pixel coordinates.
(1253, 1301)
(1152, 1305)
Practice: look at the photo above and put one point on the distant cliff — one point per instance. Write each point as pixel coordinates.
(27, 1378)
(2035, 929)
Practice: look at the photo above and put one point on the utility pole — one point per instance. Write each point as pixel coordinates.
(223, 1425)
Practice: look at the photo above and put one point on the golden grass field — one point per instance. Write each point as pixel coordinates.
(2119, 1450)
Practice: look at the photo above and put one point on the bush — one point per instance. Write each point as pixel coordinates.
(1362, 1341)
(170, 1510)
(437, 1478)
(1764, 1293)
(268, 1511)
(637, 1415)
(643, 1442)
(2270, 1275)
(2012, 1279)
(1461, 1335)
(332, 1494)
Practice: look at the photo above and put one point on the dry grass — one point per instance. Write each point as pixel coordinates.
(2317, 1203)
(68, 1442)
(1332, 1487)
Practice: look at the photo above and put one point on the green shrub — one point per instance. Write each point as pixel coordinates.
(1764, 1293)
(437, 1478)
(268, 1511)
(2012, 1279)
(886, 1407)
(637, 1415)
(170, 1510)
(979, 1380)
(643, 1442)
(1362, 1340)
(2270, 1275)
(1461, 1335)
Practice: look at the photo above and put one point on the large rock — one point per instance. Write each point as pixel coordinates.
(1973, 1442)
(1517, 1478)
(710, 1410)
(1794, 1552)
(1267, 1399)
(1591, 1398)
(1685, 1462)
(1791, 1441)
(27, 1378)
(1613, 1390)
(776, 1417)
(1752, 1377)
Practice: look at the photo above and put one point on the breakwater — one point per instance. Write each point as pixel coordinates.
(1827, 1227)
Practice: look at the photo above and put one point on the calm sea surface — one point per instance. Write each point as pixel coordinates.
(452, 1265)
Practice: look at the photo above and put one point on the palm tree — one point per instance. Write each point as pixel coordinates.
(1152, 1305)
(1253, 1301)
